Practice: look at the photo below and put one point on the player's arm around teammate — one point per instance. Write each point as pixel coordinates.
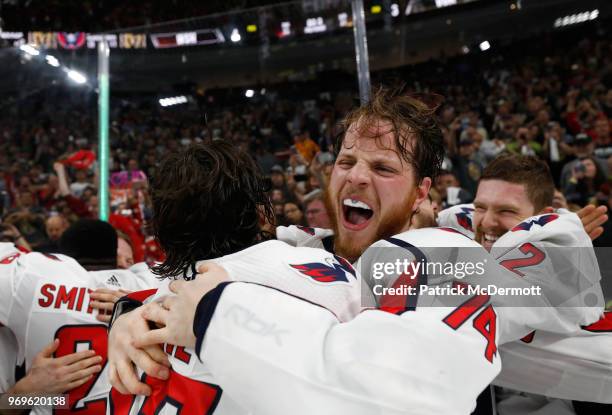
(308, 362)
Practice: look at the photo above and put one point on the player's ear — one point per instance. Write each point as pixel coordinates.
(422, 190)
(547, 209)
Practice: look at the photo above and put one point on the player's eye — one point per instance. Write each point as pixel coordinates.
(383, 168)
(345, 163)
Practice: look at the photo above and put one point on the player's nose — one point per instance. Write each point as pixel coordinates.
(489, 220)
(359, 174)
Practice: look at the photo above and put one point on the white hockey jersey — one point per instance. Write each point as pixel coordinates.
(578, 288)
(304, 236)
(576, 367)
(314, 275)
(459, 217)
(8, 342)
(43, 297)
(8, 359)
(553, 251)
(379, 362)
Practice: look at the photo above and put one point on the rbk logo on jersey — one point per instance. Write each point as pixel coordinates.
(335, 270)
(464, 218)
(307, 229)
(542, 220)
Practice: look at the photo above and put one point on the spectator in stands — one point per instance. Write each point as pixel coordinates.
(277, 176)
(555, 150)
(580, 117)
(525, 143)
(125, 253)
(449, 191)
(80, 183)
(425, 216)
(602, 139)
(472, 125)
(316, 211)
(466, 167)
(28, 219)
(293, 214)
(304, 145)
(521, 103)
(585, 182)
(583, 147)
(54, 227)
(264, 157)
(49, 194)
(277, 196)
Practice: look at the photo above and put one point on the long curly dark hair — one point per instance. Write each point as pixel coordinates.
(208, 200)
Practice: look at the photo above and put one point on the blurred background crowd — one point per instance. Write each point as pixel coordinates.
(549, 97)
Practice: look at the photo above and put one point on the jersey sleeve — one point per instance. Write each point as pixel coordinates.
(309, 273)
(145, 278)
(8, 282)
(574, 367)
(303, 236)
(553, 251)
(459, 217)
(270, 351)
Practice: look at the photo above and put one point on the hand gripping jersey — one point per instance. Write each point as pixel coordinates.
(322, 279)
(398, 362)
(47, 296)
(8, 342)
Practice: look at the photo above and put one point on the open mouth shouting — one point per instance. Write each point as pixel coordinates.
(356, 214)
(488, 239)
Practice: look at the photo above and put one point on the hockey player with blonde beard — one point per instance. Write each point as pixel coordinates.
(401, 336)
(373, 362)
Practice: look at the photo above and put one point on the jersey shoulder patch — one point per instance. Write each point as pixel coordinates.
(333, 270)
(540, 220)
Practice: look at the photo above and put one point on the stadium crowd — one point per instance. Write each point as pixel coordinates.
(558, 108)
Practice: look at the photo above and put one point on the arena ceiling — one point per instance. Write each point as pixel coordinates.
(424, 36)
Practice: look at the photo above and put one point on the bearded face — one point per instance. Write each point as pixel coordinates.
(372, 191)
